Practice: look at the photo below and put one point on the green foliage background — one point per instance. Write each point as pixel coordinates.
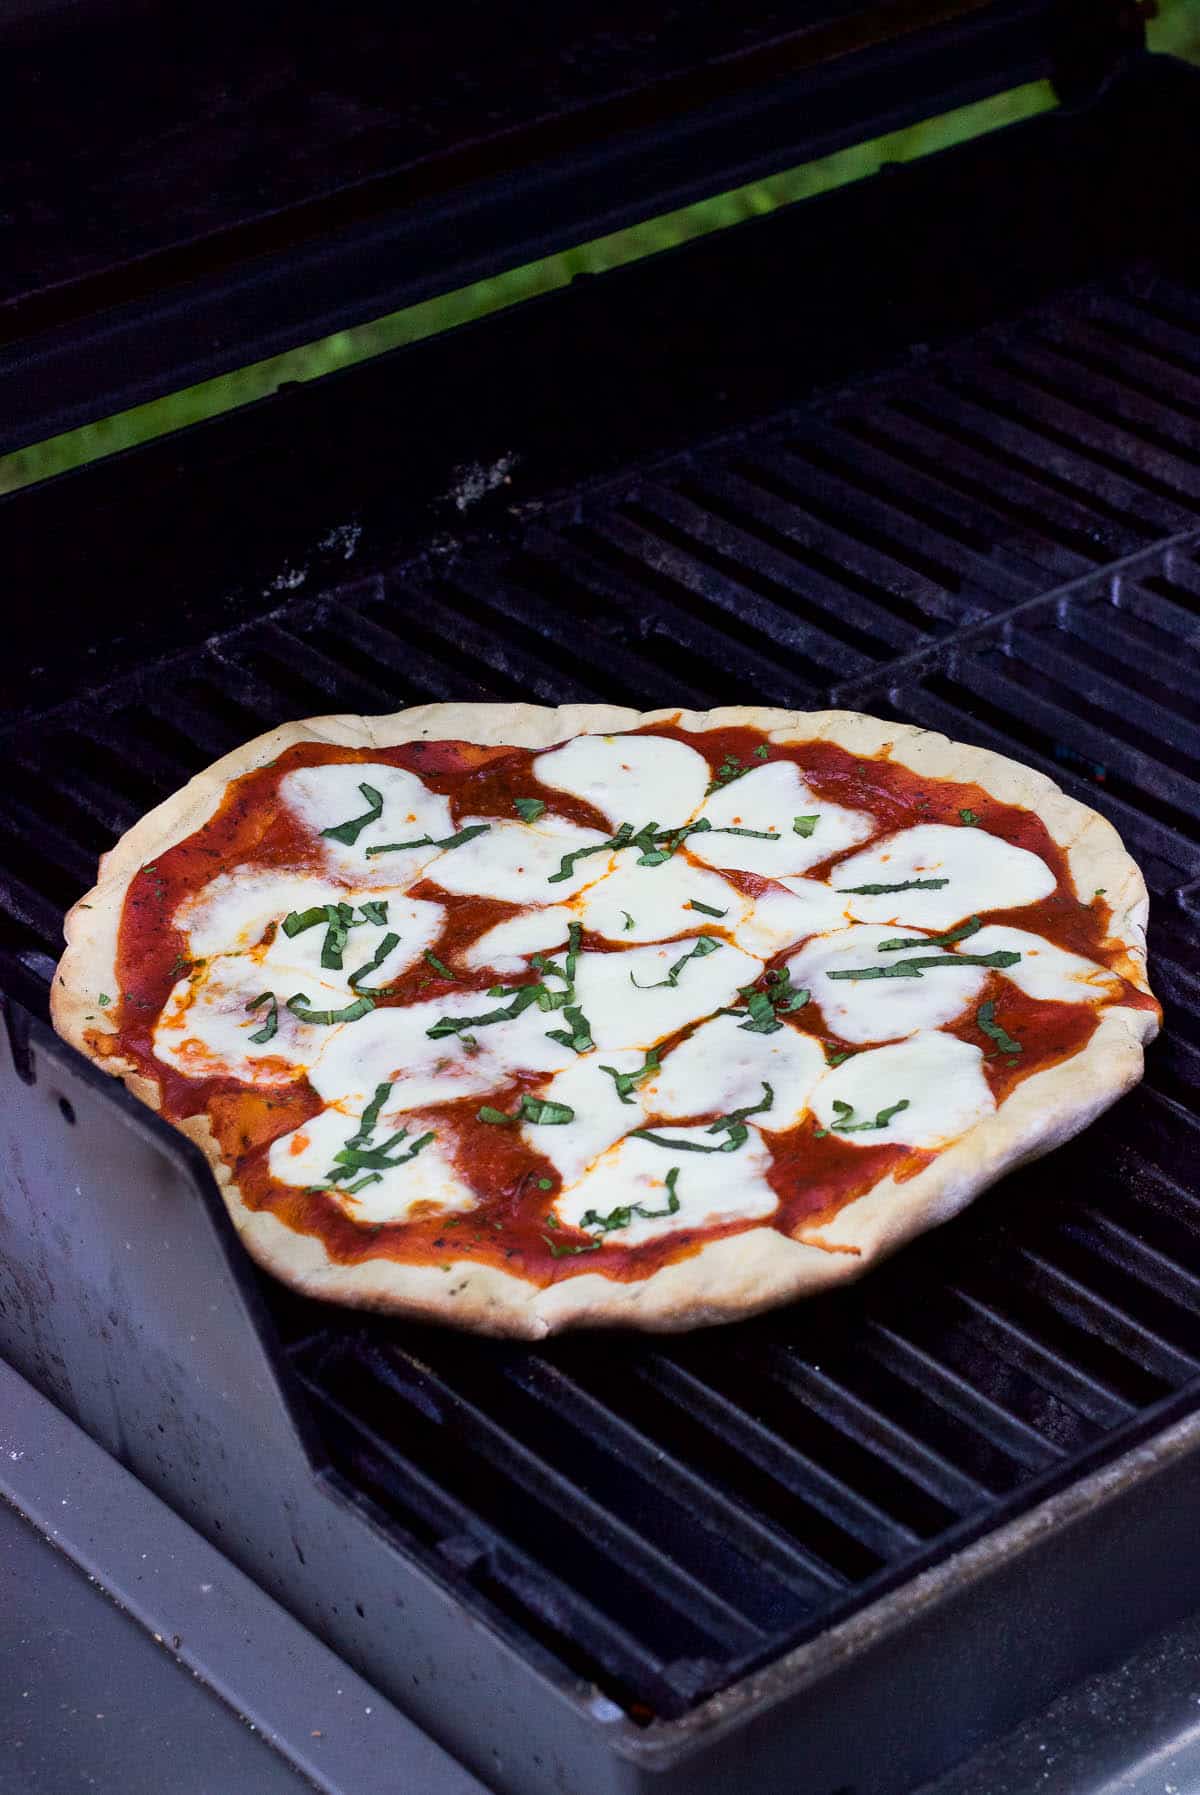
(1175, 30)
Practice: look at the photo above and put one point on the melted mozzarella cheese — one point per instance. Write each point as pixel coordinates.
(711, 1187)
(306, 1156)
(529, 932)
(771, 798)
(881, 1009)
(600, 1116)
(629, 778)
(657, 900)
(940, 1076)
(418, 925)
(722, 1067)
(323, 797)
(393, 1045)
(622, 1015)
(1045, 971)
(784, 918)
(982, 873)
(205, 1027)
(231, 913)
(515, 861)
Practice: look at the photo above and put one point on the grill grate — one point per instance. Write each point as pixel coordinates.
(1005, 545)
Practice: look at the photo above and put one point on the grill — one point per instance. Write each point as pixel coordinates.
(643, 1557)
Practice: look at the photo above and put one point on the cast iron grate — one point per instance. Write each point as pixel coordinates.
(1004, 545)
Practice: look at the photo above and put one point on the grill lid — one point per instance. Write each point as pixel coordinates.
(195, 188)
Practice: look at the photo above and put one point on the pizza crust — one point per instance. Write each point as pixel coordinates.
(738, 1275)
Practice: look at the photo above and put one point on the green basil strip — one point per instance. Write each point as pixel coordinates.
(970, 927)
(765, 1005)
(298, 1005)
(352, 1190)
(574, 937)
(628, 1082)
(985, 1016)
(563, 1252)
(656, 845)
(734, 1124)
(529, 809)
(844, 1125)
(539, 1110)
(375, 1159)
(969, 818)
(804, 825)
(350, 832)
(757, 834)
(381, 953)
(579, 1040)
(628, 921)
(885, 890)
(835, 1059)
(730, 768)
(914, 969)
(762, 751)
(339, 920)
(705, 909)
(762, 1014)
(427, 841)
(439, 966)
(454, 1025)
(623, 1214)
(706, 945)
(296, 921)
(375, 910)
(270, 1027)
(566, 865)
(370, 1116)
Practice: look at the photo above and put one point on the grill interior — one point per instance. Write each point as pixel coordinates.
(1001, 540)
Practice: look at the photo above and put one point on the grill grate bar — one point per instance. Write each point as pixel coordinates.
(1085, 1394)
(1086, 1309)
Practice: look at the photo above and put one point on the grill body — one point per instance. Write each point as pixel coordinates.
(622, 1565)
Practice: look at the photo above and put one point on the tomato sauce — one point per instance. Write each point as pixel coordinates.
(814, 1175)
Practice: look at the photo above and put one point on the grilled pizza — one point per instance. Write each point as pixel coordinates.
(524, 1019)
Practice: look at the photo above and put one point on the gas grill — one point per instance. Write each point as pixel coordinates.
(925, 447)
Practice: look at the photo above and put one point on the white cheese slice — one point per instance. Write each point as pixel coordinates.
(657, 899)
(394, 1045)
(205, 1028)
(323, 797)
(982, 873)
(622, 1015)
(306, 1156)
(722, 1067)
(881, 1009)
(941, 1077)
(515, 861)
(629, 778)
(783, 918)
(417, 923)
(506, 945)
(600, 1116)
(1044, 970)
(771, 798)
(711, 1187)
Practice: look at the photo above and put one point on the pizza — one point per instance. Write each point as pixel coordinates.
(524, 1019)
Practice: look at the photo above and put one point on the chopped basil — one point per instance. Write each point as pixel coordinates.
(270, 1027)
(562, 1252)
(574, 937)
(104, 1000)
(761, 752)
(298, 1005)
(734, 1125)
(835, 1059)
(454, 1025)
(969, 818)
(705, 909)
(370, 1116)
(763, 1005)
(377, 958)
(375, 1159)
(730, 768)
(297, 920)
(913, 969)
(628, 1082)
(579, 1039)
(350, 832)
(628, 921)
(546, 1184)
(705, 945)
(1099, 892)
(970, 927)
(885, 890)
(648, 839)
(804, 825)
(339, 919)
(985, 1016)
(427, 841)
(845, 1111)
(539, 1110)
(529, 809)
(352, 1190)
(439, 966)
(623, 1214)
(375, 910)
